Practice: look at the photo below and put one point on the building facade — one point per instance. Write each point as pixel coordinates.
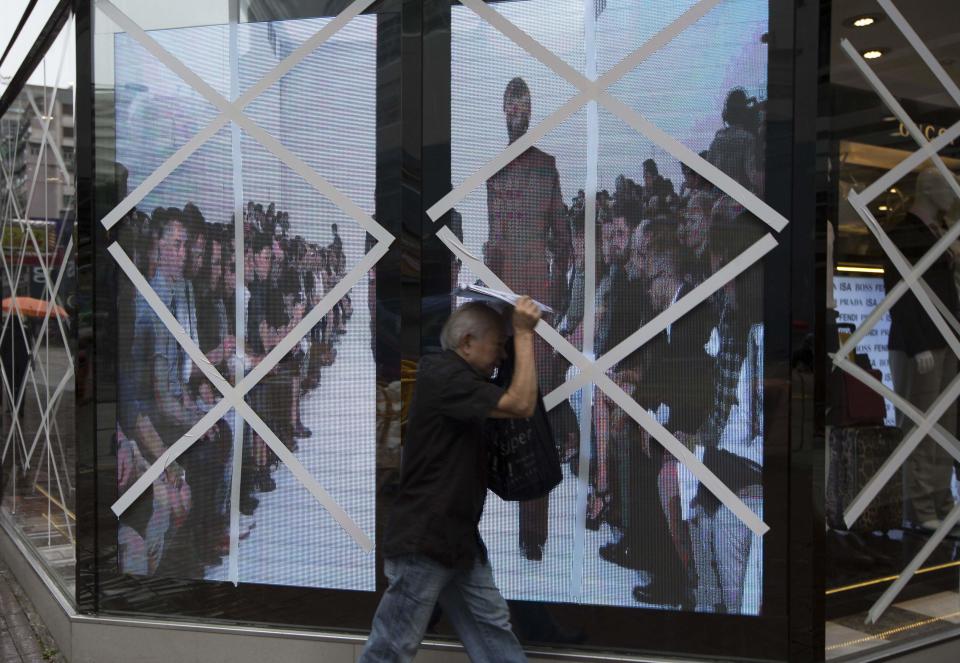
(232, 229)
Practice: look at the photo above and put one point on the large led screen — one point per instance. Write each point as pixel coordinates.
(183, 238)
(640, 530)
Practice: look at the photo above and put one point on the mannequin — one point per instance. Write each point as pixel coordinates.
(921, 363)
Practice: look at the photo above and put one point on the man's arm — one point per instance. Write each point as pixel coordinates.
(562, 240)
(519, 401)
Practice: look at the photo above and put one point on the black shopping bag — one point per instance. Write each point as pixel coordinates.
(522, 458)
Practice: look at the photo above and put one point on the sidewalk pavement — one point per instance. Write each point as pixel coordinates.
(23, 637)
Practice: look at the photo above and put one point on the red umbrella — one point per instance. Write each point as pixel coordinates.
(33, 307)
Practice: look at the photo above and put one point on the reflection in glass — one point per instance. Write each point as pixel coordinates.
(653, 536)
(234, 206)
(37, 352)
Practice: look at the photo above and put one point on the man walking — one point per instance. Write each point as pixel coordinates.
(433, 550)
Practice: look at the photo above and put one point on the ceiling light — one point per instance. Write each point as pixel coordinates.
(863, 20)
(863, 269)
(873, 54)
(893, 190)
(883, 208)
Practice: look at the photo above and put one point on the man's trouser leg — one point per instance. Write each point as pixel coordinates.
(731, 542)
(415, 583)
(705, 560)
(476, 609)
(533, 521)
(926, 473)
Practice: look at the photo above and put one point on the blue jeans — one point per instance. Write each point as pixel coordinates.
(469, 598)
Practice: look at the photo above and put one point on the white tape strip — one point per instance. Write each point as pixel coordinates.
(240, 318)
(14, 424)
(943, 437)
(548, 333)
(922, 50)
(899, 290)
(355, 8)
(944, 311)
(709, 480)
(695, 162)
(35, 347)
(681, 152)
(161, 173)
(894, 106)
(549, 123)
(894, 590)
(684, 305)
(661, 434)
(904, 267)
(589, 293)
(50, 406)
(915, 160)
(46, 286)
(24, 227)
(234, 397)
(233, 111)
(47, 139)
(873, 487)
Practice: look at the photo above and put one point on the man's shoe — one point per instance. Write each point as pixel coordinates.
(658, 593)
(247, 523)
(265, 482)
(621, 554)
(532, 551)
(248, 504)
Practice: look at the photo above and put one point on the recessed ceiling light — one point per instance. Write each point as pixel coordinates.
(873, 54)
(863, 20)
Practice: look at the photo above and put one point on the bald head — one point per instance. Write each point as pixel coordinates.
(473, 319)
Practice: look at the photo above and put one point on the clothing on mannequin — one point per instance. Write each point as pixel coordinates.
(921, 363)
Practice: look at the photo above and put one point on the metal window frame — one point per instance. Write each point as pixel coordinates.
(48, 34)
(796, 592)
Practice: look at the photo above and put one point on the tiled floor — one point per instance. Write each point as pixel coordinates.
(902, 621)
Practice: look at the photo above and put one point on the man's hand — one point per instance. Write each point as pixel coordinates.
(519, 401)
(526, 315)
(924, 361)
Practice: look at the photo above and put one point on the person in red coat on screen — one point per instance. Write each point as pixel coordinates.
(529, 248)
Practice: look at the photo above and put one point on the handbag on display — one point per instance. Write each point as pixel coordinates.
(852, 402)
(856, 455)
(522, 458)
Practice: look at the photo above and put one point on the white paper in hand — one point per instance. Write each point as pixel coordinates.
(482, 293)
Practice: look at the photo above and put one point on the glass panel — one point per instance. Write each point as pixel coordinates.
(902, 364)
(12, 12)
(654, 536)
(37, 207)
(256, 241)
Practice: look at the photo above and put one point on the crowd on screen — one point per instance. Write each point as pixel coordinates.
(180, 525)
(700, 378)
